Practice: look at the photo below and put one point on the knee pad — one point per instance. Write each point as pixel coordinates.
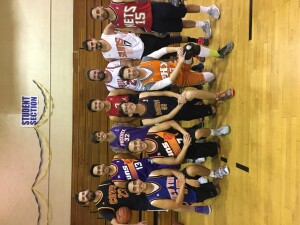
(191, 50)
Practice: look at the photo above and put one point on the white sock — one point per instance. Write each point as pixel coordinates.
(212, 174)
(199, 24)
(213, 132)
(204, 9)
(208, 76)
(204, 52)
(189, 61)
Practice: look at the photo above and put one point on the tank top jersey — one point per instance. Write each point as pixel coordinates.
(123, 45)
(167, 188)
(125, 134)
(157, 106)
(167, 144)
(115, 102)
(115, 82)
(132, 14)
(112, 197)
(160, 70)
(127, 169)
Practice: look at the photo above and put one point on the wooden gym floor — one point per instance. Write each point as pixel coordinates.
(264, 115)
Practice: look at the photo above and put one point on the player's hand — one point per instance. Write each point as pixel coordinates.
(181, 99)
(191, 182)
(181, 178)
(187, 140)
(186, 134)
(181, 55)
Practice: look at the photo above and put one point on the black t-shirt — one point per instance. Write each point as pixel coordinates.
(113, 198)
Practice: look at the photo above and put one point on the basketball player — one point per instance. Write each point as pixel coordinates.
(158, 17)
(111, 104)
(155, 74)
(170, 189)
(108, 198)
(120, 45)
(120, 136)
(160, 106)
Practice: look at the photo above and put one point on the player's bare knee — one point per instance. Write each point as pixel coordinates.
(199, 133)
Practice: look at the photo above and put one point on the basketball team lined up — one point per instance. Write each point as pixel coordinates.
(159, 85)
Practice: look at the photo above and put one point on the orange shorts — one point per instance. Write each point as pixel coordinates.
(187, 77)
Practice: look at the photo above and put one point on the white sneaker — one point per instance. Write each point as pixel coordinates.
(221, 172)
(214, 11)
(202, 180)
(206, 28)
(223, 130)
(200, 160)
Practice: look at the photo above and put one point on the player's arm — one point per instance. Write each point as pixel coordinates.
(163, 118)
(165, 204)
(167, 125)
(160, 93)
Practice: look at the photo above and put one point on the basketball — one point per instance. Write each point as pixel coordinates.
(123, 215)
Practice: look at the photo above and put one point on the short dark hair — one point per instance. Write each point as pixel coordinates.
(121, 112)
(94, 137)
(91, 170)
(91, 12)
(127, 183)
(76, 197)
(89, 105)
(88, 74)
(85, 45)
(121, 72)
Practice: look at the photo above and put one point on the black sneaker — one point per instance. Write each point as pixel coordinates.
(199, 67)
(225, 50)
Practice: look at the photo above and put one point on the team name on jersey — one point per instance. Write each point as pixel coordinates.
(128, 174)
(115, 193)
(168, 149)
(131, 17)
(173, 187)
(124, 137)
(159, 107)
(120, 43)
(164, 70)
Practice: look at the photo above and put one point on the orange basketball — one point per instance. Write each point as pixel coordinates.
(123, 215)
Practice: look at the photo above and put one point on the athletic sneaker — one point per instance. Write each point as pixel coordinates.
(225, 50)
(225, 95)
(223, 130)
(214, 12)
(206, 28)
(221, 172)
(203, 209)
(203, 41)
(199, 67)
(200, 160)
